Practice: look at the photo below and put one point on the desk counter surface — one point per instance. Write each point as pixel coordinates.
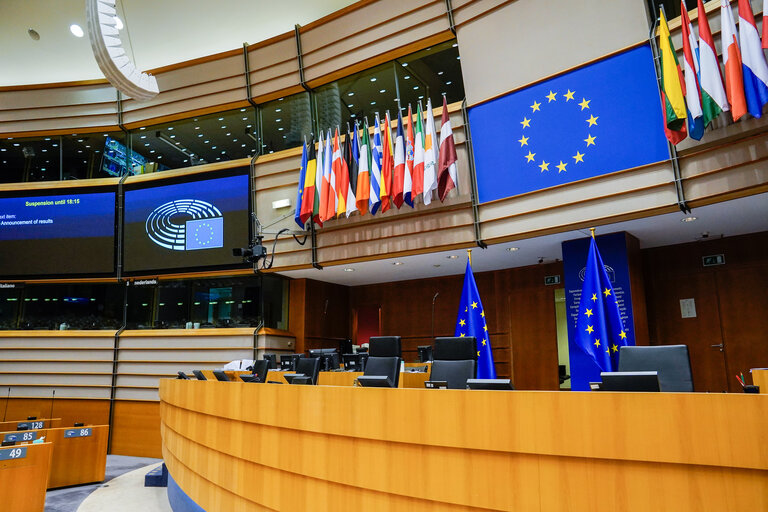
(384, 449)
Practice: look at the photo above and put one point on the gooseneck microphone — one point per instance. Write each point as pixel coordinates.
(7, 399)
(433, 315)
(53, 395)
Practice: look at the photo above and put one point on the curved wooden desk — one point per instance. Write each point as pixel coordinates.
(237, 446)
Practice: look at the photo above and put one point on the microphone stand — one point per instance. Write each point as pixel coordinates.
(433, 315)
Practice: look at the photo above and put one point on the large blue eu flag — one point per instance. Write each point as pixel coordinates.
(600, 331)
(471, 322)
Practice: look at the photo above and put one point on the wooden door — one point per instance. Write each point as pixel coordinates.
(700, 333)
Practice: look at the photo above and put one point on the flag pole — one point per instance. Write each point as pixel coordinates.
(592, 232)
(469, 255)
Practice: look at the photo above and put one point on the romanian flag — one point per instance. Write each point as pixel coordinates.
(387, 164)
(351, 156)
(713, 98)
(734, 80)
(398, 180)
(308, 195)
(754, 66)
(364, 173)
(672, 93)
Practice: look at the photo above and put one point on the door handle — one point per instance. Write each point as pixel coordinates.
(720, 346)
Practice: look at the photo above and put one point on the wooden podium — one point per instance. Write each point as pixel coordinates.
(237, 446)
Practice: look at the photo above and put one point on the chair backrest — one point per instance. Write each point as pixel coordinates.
(199, 375)
(309, 366)
(671, 361)
(384, 346)
(384, 366)
(260, 368)
(455, 348)
(454, 373)
(271, 361)
(220, 376)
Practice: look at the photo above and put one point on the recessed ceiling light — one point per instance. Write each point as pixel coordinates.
(33, 34)
(278, 120)
(173, 136)
(448, 82)
(223, 127)
(452, 257)
(228, 134)
(397, 263)
(143, 128)
(415, 87)
(383, 91)
(373, 103)
(242, 110)
(373, 79)
(221, 119)
(143, 136)
(513, 249)
(688, 219)
(349, 270)
(458, 58)
(440, 72)
(245, 119)
(407, 77)
(170, 127)
(76, 30)
(350, 94)
(278, 110)
(405, 64)
(118, 23)
(205, 141)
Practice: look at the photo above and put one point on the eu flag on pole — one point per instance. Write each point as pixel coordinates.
(599, 326)
(471, 322)
(302, 178)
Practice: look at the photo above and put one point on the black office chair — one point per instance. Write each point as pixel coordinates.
(271, 360)
(455, 361)
(382, 372)
(199, 375)
(671, 362)
(259, 372)
(307, 371)
(384, 346)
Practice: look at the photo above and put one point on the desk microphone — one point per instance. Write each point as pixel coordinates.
(50, 416)
(433, 315)
(7, 399)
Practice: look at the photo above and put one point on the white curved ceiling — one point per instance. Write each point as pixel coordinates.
(157, 33)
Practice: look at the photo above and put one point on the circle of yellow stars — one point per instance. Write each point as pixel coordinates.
(569, 95)
(463, 323)
(623, 335)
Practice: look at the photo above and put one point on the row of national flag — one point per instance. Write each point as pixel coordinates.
(696, 94)
(372, 173)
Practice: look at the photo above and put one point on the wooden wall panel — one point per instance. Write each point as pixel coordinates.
(730, 305)
(88, 411)
(327, 314)
(136, 429)
(274, 67)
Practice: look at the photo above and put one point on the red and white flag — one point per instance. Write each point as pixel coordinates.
(446, 167)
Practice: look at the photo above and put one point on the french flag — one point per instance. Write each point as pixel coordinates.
(753, 61)
(734, 80)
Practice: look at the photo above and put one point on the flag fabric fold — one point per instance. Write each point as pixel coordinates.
(408, 194)
(471, 321)
(387, 164)
(309, 193)
(418, 156)
(765, 25)
(734, 79)
(300, 191)
(601, 331)
(317, 205)
(398, 184)
(446, 174)
(430, 155)
(342, 176)
(713, 97)
(691, 69)
(754, 67)
(374, 200)
(672, 86)
(364, 175)
(351, 157)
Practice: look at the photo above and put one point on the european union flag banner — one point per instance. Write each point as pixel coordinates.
(599, 329)
(471, 322)
(599, 119)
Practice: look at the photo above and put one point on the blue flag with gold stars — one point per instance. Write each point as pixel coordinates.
(471, 322)
(601, 118)
(599, 326)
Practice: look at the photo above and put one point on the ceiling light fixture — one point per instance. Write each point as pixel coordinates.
(76, 30)
(110, 55)
(349, 270)
(513, 249)
(688, 219)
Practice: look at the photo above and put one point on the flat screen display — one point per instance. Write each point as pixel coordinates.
(186, 225)
(60, 232)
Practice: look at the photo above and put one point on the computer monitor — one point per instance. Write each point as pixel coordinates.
(272, 361)
(345, 346)
(630, 381)
(502, 384)
(220, 376)
(288, 362)
(199, 375)
(355, 362)
(329, 358)
(182, 375)
(425, 353)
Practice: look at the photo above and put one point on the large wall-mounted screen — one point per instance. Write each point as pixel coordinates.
(58, 232)
(190, 225)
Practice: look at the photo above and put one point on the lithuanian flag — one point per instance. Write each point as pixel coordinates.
(672, 93)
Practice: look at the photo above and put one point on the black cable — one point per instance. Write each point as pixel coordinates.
(264, 265)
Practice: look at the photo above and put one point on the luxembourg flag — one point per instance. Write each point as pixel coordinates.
(691, 70)
(713, 97)
(734, 80)
(753, 61)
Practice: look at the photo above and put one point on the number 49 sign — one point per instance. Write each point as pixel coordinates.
(13, 453)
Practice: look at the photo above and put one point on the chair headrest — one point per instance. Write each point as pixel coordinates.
(455, 348)
(384, 346)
